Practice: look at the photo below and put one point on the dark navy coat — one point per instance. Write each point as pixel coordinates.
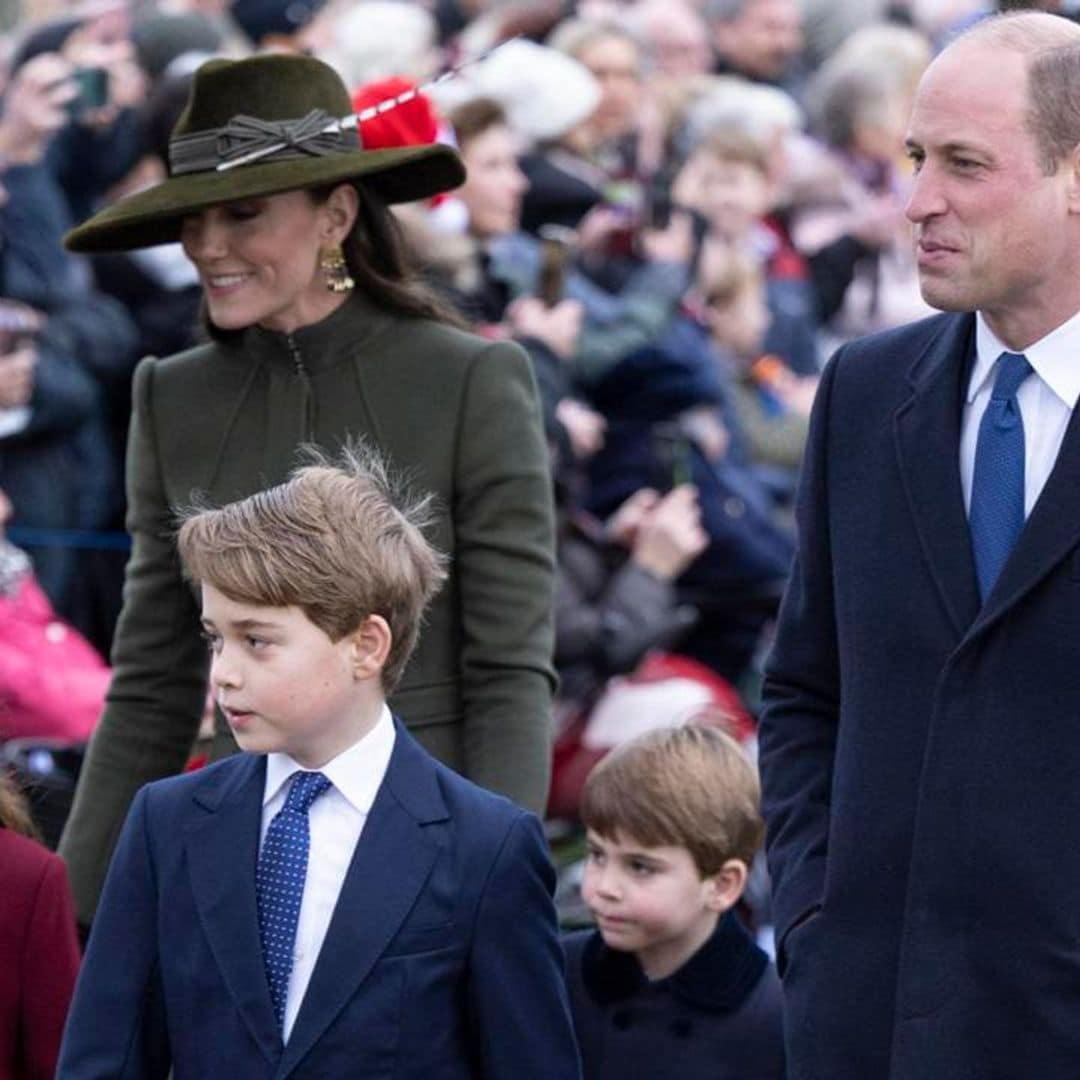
(716, 1018)
(920, 752)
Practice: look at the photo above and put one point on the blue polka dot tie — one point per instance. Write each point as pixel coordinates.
(279, 882)
(997, 487)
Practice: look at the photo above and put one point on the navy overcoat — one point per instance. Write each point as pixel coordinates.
(920, 751)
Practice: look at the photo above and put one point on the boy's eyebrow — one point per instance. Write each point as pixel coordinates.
(245, 624)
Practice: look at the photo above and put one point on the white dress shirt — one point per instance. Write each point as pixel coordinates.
(1046, 400)
(336, 820)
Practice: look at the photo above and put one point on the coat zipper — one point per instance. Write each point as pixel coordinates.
(307, 404)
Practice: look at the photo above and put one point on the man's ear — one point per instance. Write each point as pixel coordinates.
(723, 889)
(1072, 163)
(340, 210)
(369, 646)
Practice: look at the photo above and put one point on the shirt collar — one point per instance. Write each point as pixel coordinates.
(356, 772)
(1055, 358)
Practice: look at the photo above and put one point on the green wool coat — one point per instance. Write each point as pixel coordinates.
(460, 416)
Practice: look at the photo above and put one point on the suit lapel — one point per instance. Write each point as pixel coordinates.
(227, 839)
(927, 433)
(389, 867)
(1051, 532)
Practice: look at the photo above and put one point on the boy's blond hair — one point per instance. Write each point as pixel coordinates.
(732, 146)
(340, 539)
(690, 786)
(726, 273)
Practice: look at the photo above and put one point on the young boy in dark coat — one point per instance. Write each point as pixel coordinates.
(670, 984)
(333, 902)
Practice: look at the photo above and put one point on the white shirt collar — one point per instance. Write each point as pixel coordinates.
(356, 772)
(1054, 358)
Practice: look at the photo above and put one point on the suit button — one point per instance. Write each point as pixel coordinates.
(681, 1028)
(622, 1019)
(734, 507)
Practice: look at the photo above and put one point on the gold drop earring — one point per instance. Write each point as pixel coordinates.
(334, 268)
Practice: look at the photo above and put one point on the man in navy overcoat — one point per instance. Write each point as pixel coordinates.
(920, 744)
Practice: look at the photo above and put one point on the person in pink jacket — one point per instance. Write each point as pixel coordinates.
(52, 681)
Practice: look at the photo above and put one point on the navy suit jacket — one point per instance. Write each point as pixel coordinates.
(920, 749)
(441, 960)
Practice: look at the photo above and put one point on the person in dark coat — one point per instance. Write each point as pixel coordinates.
(919, 746)
(670, 984)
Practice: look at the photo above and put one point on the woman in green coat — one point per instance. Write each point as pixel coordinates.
(318, 334)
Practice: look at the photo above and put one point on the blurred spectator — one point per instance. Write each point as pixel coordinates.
(158, 286)
(595, 160)
(39, 950)
(51, 444)
(761, 40)
(164, 41)
(52, 682)
(670, 421)
(860, 100)
(727, 178)
(508, 261)
(375, 40)
(828, 23)
(59, 464)
(98, 143)
(274, 25)
(615, 595)
(771, 401)
(675, 37)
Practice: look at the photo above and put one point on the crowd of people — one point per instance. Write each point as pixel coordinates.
(575, 272)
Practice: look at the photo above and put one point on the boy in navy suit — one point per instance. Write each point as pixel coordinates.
(333, 902)
(670, 984)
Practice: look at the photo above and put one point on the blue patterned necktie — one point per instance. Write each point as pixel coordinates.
(997, 487)
(279, 882)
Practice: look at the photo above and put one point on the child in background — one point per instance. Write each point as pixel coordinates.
(670, 984)
(332, 902)
(771, 401)
(727, 178)
(39, 949)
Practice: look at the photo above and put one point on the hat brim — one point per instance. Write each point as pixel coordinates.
(153, 216)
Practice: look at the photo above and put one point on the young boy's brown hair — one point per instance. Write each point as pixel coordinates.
(690, 786)
(341, 539)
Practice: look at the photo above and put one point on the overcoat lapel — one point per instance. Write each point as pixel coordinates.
(222, 850)
(927, 433)
(389, 867)
(1051, 532)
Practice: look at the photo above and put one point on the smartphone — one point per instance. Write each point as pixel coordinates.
(17, 326)
(93, 89)
(658, 203)
(556, 244)
(671, 457)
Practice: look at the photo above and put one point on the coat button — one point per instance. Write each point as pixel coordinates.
(622, 1019)
(734, 507)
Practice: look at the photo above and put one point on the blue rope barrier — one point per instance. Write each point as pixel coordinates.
(27, 536)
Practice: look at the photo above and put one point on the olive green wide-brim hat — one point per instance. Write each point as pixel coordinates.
(240, 106)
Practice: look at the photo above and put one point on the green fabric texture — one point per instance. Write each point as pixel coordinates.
(273, 88)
